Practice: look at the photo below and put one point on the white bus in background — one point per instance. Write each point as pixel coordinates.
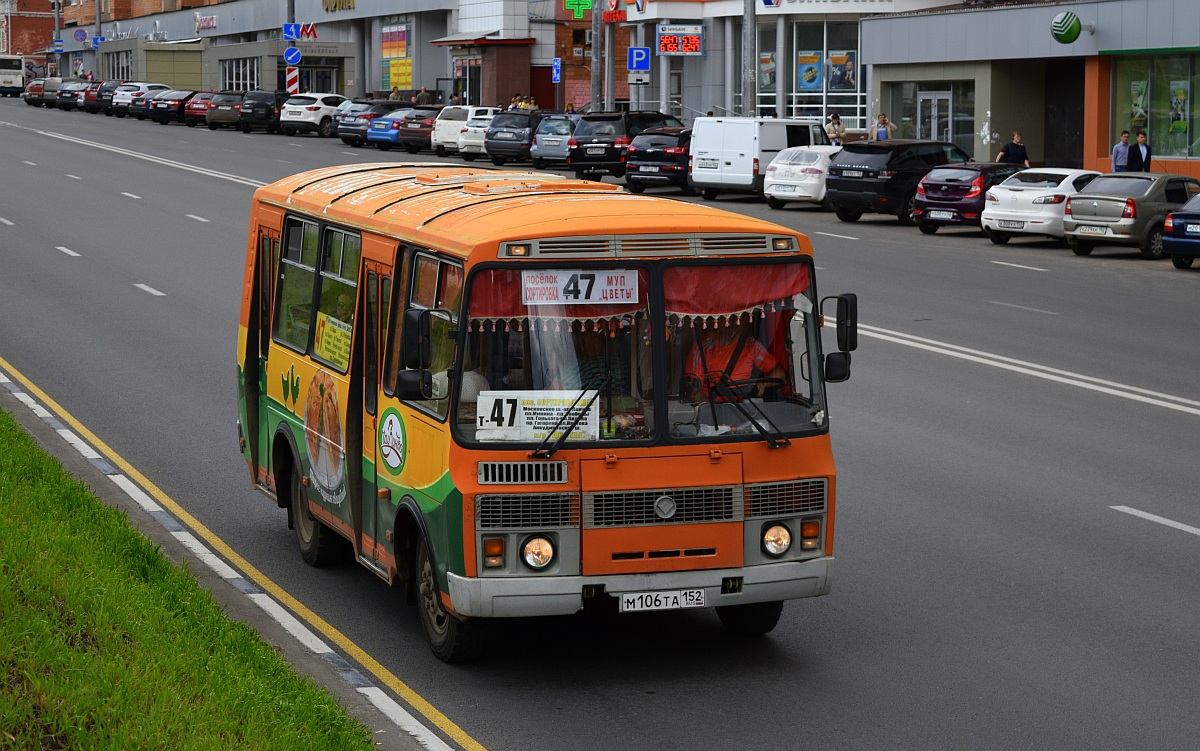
(12, 75)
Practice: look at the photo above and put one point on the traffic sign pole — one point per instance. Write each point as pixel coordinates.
(293, 80)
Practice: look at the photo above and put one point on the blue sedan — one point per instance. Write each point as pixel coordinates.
(384, 132)
(1181, 234)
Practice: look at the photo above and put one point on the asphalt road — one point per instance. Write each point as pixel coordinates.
(1003, 400)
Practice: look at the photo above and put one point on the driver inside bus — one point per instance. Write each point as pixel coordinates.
(728, 360)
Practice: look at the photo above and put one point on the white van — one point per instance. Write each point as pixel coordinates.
(450, 123)
(732, 153)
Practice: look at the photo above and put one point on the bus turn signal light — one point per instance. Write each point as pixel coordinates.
(810, 534)
(493, 552)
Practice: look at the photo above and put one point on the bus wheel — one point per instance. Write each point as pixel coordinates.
(319, 545)
(754, 619)
(450, 639)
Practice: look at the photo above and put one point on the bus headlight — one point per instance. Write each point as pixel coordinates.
(777, 539)
(537, 552)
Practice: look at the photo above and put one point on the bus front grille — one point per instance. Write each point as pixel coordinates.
(664, 506)
(526, 510)
(786, 498)
(522, 473)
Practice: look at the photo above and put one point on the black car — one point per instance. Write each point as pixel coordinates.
(68, 96)
(104, 97)
(353, 121)
(169, 107)
(600, 139)
(659, 156)
(881, 177)
(510, 134)
(142, 104)
(260, 109)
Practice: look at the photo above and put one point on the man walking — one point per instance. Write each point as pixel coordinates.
(1139, 154)
(424, 97)
(1120, 153)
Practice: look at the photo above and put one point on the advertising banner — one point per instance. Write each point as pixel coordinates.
(843, 70)
(808, 71)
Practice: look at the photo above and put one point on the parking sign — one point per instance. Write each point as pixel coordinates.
(639, 58)
(556, 70)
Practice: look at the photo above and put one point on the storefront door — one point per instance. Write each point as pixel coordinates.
(933, 115)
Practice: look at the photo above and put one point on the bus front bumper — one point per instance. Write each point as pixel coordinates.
(509, 597)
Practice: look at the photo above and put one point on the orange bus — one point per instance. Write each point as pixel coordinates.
(516, 394)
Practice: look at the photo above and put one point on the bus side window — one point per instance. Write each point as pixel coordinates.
(370, 343)
(268, 263)
(297, 279)
(438, 285)
(341, 257)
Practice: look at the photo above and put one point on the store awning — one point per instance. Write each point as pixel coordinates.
(480, 39)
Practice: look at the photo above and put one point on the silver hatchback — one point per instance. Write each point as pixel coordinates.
(551, 141)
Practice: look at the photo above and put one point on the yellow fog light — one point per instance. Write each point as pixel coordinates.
(493, 552)
(777, 539)
(537, 552)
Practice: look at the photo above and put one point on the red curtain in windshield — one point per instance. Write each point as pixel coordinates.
(701, 291)
(496, 296)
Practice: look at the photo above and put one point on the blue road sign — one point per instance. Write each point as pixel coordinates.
(639, 58)
(292, 56)
(96, 42)
(291, 32)
(556, 70)
(80, 35)
(58, 45)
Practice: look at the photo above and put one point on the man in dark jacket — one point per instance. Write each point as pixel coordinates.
(1139, 154)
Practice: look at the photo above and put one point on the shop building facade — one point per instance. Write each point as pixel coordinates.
(975, 75)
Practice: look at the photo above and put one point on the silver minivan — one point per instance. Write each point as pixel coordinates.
(551, 141)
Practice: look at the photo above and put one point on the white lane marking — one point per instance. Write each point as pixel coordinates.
(31, 164)
(204, 554)
(1017, 266)
(157, 160)
(290, 624)
(30, 402)
(197, 218)
(1158, 519)
(130, 195)
(1112, 388)
(840, 237)
(87, 451)
(151, 290)
(5, 221)
(136, 493)
(296, 145)
(68, 251)
(1022, 307)
(407, 722)
(349, 153)
(75, 177)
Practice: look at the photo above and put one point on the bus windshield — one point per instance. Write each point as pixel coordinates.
(592, 355)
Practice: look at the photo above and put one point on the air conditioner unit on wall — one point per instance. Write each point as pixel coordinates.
(587, 38)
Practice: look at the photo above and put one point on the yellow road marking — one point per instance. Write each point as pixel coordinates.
(415, 700)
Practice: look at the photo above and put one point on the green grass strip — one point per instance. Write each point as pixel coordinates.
(105, 644)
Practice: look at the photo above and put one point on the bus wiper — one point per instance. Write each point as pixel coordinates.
(726, 388)
(546, 453)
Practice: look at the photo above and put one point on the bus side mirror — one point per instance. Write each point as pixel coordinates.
(416, 349)
(414, 384)
(837, 367)
(847, 321)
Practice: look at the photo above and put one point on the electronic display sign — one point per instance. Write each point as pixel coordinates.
(677, 39)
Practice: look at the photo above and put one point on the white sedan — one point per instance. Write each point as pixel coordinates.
(798, 174)
(471, 138)
(1032, 202)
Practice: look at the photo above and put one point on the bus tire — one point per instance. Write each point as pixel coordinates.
(451, 639)
(755, 619)
(319, 545)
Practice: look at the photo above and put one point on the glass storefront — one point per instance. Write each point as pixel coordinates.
(934, 110)
(1155, 94)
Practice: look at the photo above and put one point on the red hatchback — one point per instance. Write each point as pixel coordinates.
(91, 94)
(196, 109)
(955, 194)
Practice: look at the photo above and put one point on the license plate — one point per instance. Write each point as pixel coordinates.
(413, 125)
(851, 173)
(161, 106)
(1087, 229)
(941, 215)
(632, 602)
(1008, 224)
(648, 169)
(785, 188)
(505, 135)
(706, 164)
(1192, 229)
(225, 107)
(595, 150)
(552, 141)
(379, 126)
(292, 113)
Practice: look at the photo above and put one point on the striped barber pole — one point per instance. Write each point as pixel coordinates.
(293, 80)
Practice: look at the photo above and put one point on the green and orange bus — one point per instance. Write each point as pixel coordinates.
(507, 392)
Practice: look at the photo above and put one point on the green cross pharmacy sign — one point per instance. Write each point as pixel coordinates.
(577, 7)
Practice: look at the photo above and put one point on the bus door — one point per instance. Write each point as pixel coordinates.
(376, 286)
(256, 356)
